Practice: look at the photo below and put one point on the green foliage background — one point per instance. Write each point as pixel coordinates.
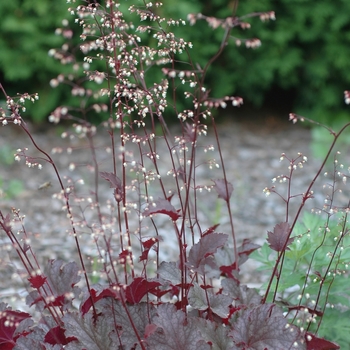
(309, 252)
(27, 34)
(303, 61)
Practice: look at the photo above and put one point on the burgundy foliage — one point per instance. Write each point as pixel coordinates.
(279, 238)
(194, 303)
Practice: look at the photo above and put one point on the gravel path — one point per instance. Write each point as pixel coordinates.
(251, 152)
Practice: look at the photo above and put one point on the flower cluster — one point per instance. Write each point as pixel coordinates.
(31, 162)
(294, 118)
(347, 97)
(230, 22)
(14, 107)
(222, 102)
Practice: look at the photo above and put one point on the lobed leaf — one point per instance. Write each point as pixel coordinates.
(162, 206)
(223, 188)
(138, 288)
(37, 281)
(264, 327)
(62, 277)
(170, 272)
(175, 332)
(93, 298)
(202, 300)
(113, 179)
(9, 321)
(245, 250)
(214, 334)
(89, 333)
(315, 343)
(279, 238)
(131, 320)
(147, 245)
(56, 336)
(114, 182)
(27, 343)
(241, 294)
(201, 252)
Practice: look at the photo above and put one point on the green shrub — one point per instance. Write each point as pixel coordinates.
(306, 50)
(27, 34)
(304, 54)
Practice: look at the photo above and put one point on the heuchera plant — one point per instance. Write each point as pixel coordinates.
(139, 301)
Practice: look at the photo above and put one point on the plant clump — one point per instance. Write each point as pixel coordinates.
(125, 294)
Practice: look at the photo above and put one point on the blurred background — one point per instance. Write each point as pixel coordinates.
(302, 66)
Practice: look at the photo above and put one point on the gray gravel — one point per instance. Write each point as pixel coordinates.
(251, 152)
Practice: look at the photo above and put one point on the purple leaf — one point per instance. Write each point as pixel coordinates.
(114, 182)
(278, 239)
(9, 321)
(138, 288)
(201, 253)
(34, 298)
(113, 179)
(90, 333)
(93, 298)
(264, 327)
(240, 293)
(201, 300)
(211, 229)
(147, 245)
(139, 314)
(170, 272)
(162, 206)
(223, 188)
(37, 281)
(6, 223)
(315, 343)
(219, 304)
(214, 333)
(230, 270)
(25, 343)
(245, 250)
(197, 298)
(62, 279)
(150, 329)
(190, 133)
(56, 336)
(175, 332)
